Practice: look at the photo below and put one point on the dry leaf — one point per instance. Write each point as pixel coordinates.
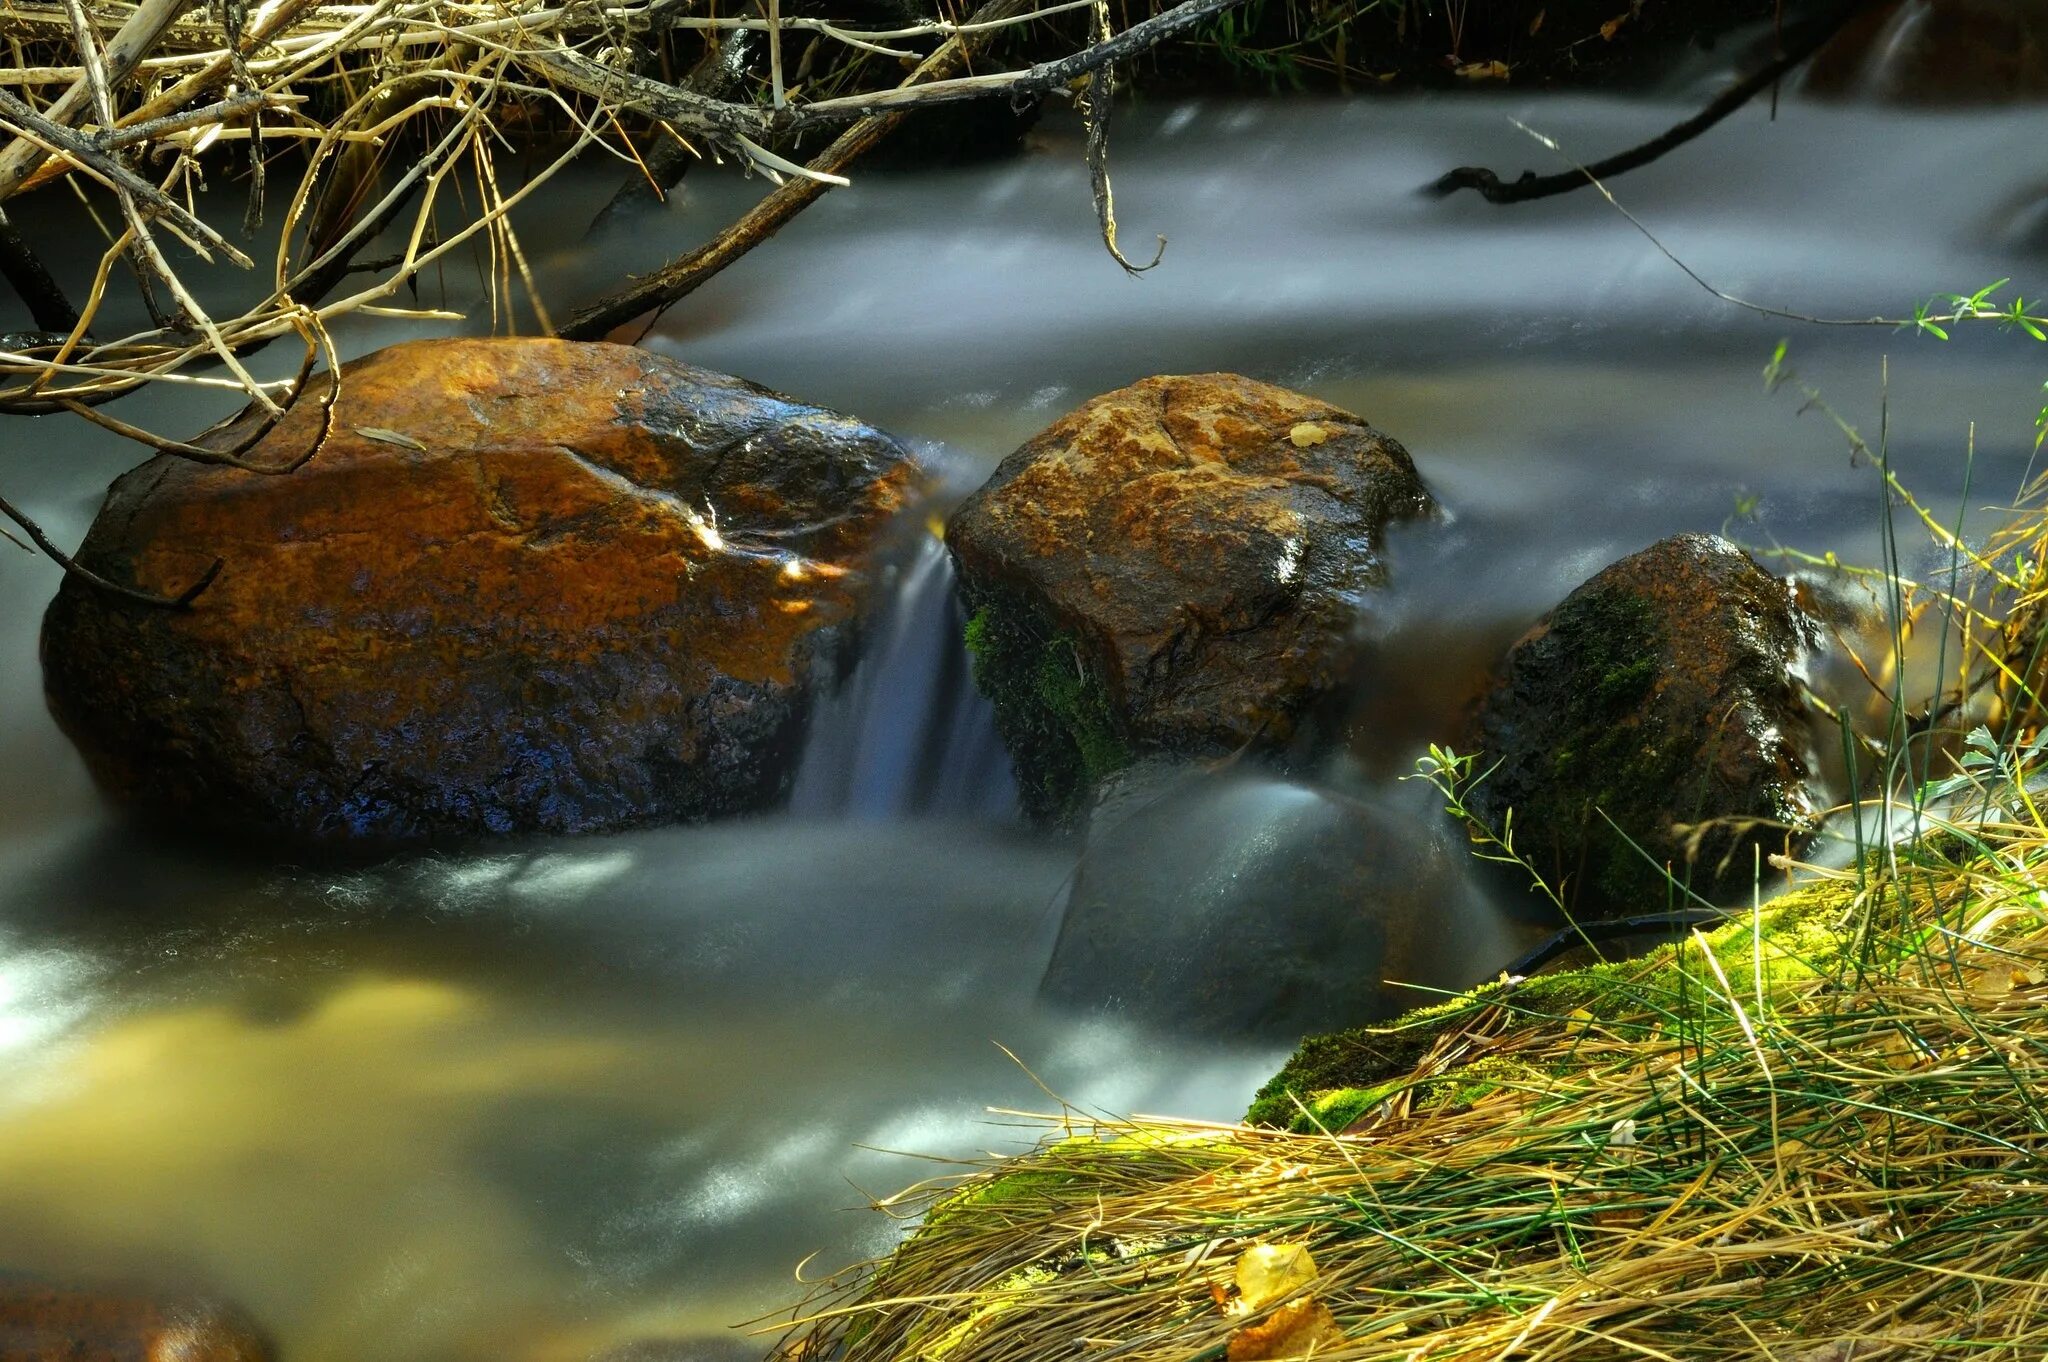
(1271, 1272)
(1306, 434)
(1537, 23)
(1302, 1328)
(1482, 70)
(390, 437)
(1613, 26)
(2028, 977)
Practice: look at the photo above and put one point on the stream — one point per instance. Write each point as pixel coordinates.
(551, 1099)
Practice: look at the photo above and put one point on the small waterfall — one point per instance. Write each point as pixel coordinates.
(907, 733)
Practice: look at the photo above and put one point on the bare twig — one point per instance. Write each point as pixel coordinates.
(182, 601)
(25, 273)
(144, 29)
(1096, 106)
(690, 271)
(1803, 42)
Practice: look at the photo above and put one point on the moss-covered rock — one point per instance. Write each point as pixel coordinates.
(1179, 566)
(1654, 722)
(1333, 1080)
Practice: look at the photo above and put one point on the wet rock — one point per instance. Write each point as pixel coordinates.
(1178, 566)
(1237, 904)
(1939, 52)
(526, 585)
(40, 1322)
(1662, 695)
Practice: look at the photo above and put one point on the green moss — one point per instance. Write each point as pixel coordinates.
(1339, 1077)
(1052, 709)
(991, 1197)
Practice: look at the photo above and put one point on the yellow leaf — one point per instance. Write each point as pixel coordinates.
(1306, 434)
(1303, 1328)
(1537, 23)
(1482, 70)
(390, 437)
(1613, 26)
(1271, 1272)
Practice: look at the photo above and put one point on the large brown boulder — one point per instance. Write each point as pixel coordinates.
(1178, 566)
(44, 1323)
(526, 585)
(1658, 704)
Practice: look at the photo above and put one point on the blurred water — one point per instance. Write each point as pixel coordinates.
(532, 1103)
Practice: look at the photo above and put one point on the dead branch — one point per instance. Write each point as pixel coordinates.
(25, 273)
(182, 601)
(1096, 106)
(144, 29)
(1800, 43)
(690, 271)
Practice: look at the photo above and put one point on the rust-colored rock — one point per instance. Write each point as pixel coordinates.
(44, 1323)
(1939, 52)
(1177, 566)
(527, 585)
(1662, 693)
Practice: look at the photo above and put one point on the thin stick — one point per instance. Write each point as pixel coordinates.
(691, 270)
(136, 38)
(1807, 40)
(182, 601)
(26, 274)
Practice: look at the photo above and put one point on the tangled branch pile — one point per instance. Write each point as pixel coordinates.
(396, 109)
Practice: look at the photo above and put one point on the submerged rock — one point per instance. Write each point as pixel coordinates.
(44, 1323)
(526, 585)
(1661, 695)
(1939, 52)
(1178, 566)
(1238, 904)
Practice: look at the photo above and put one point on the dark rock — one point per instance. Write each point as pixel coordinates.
(1662, 693)
(526, 585)
(1179, 566)
(1241, 905)
(1952, 52)
(40, 1322)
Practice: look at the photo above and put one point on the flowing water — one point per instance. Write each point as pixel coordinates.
(535, 1103)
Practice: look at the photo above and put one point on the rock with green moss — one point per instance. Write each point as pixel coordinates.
(1181, 566)
(1333, 1080)
(1654, 723)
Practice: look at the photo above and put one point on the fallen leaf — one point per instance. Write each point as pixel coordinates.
(1271, 1272)
(1537, 23)
(390, 437)
(1612, 27)
(2028, 977)
(1301, 1328)
(1482, 70)
(1306, 434)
